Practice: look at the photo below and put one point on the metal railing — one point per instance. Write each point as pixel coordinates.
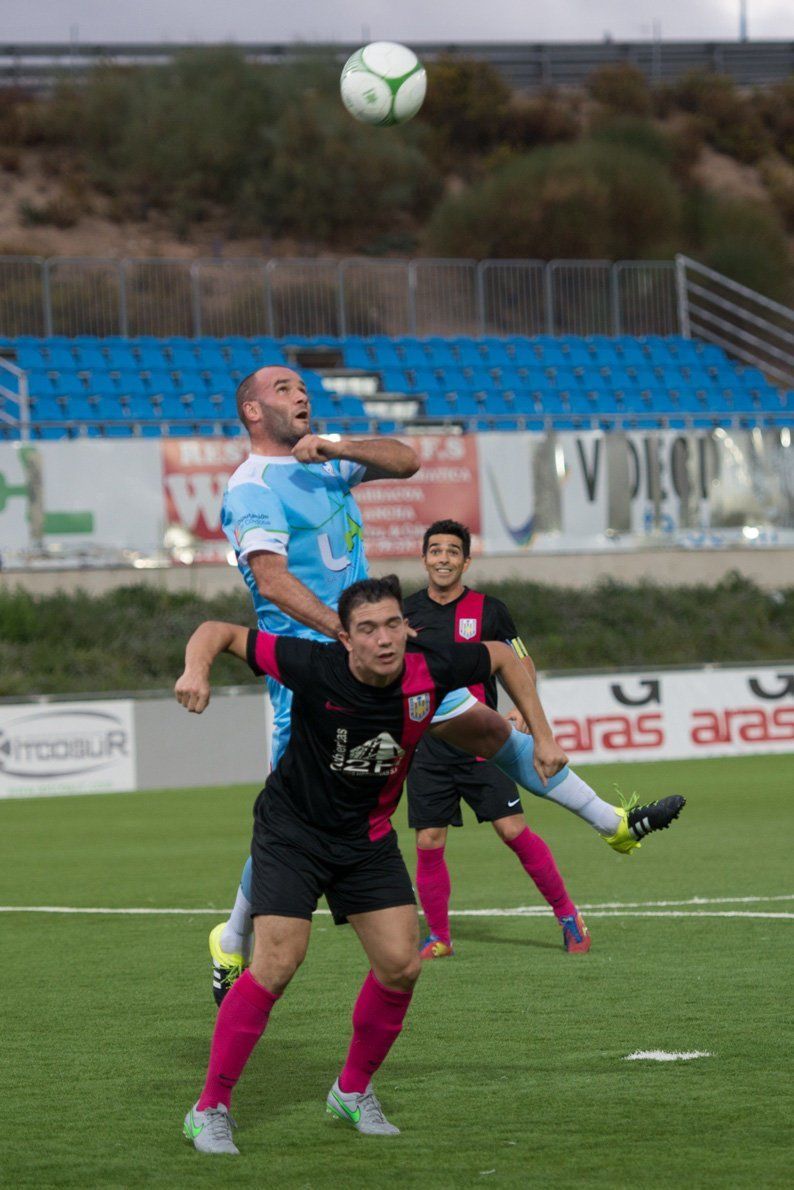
(14, 404)
(528, 66)
(748, 326)
(249, 297)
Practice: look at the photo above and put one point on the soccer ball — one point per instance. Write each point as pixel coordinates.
(383, 83)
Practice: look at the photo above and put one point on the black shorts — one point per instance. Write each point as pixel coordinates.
(294, 865)
(434, 794)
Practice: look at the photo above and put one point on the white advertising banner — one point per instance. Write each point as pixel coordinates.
(659, 715)
(84, 495)
(62, 748)
(590, 491)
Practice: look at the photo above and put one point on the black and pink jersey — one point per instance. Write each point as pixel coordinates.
(472, 616)
(351, 744)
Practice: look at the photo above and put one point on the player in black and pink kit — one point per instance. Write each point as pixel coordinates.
(441, 775)
(322, 825)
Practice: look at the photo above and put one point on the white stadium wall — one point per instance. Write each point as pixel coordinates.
(70, 747)
(140, 501)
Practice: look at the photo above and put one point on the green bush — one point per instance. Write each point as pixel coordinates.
(586, 200)
(134, 638)
(745, 241)
(466, 107)
(269, 148)
(622, 89)
(729, 120)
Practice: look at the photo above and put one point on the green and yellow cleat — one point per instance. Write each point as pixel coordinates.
(638, 821)
(226, 968)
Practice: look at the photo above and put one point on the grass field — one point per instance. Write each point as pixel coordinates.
(510, 1071)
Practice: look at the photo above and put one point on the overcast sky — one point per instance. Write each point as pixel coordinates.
(399, 20)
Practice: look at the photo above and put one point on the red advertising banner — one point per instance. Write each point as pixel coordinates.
(195, 471)
(396, 512)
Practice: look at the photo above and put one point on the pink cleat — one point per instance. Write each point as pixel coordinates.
(434, 948)
(575, 934)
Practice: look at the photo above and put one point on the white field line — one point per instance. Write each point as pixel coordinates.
(690, 908)
(667, 1055)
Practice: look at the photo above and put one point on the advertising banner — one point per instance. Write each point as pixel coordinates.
(396, 512)
(700, 489)
(98, 500)
(81, 496)
(62, 748)
(195, 471)
(672, 715)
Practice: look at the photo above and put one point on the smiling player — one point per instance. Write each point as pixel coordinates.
(441, 775)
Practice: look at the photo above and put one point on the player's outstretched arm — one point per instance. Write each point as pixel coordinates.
(516, 679)
(384, 458)
(209, 640)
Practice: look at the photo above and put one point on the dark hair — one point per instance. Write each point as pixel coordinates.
(453, 529)
(368, 590)
(246, 391)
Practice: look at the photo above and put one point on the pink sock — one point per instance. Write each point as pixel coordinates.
(538, 862)
(242, 1020)
(433, 886)
(377, 1020)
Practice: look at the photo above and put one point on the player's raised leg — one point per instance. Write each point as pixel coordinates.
(390, 938)
(280, 948)
(483, 732)
(231, 941)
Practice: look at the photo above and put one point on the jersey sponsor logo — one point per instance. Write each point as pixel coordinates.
(419, 707)
(467, 629)
(378, 757)
(327, 554)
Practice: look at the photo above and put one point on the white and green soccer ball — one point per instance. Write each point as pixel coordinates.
(383, 83)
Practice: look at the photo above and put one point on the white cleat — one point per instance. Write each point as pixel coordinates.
(361, 1109)
(210, 1130)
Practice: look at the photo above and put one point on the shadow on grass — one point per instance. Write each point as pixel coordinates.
(478, 933)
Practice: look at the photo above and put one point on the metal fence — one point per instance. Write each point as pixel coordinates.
(89, 296)
(750, 327)
(527, 66)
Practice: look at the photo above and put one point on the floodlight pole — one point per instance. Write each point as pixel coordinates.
(742, 20)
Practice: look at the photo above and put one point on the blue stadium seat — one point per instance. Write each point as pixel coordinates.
(437, 405)
(394, 381)
(209, 356)
(46, 409)
(152, 359)
(88, 358)
(132, 382)
(480, 378)
(427, 380)
(469, 354)
(161, 382)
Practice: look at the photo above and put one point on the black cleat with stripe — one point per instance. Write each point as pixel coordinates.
(657, 816)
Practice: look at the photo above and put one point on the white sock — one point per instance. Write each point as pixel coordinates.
(577, 796)
(236, 934)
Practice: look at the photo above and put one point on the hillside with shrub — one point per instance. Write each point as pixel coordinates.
(214, 155)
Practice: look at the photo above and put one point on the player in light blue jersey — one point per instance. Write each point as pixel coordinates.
(290, 515)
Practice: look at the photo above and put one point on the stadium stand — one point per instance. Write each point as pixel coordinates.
(144, 387)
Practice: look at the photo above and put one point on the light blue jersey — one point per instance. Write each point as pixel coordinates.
(307, 513)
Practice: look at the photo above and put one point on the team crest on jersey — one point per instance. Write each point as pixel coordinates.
(419, 707)
(467, 628)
